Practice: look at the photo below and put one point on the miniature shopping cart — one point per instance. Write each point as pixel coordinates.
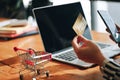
(33, 60)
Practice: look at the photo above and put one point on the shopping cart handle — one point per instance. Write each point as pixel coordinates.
(29, 51)
(15, 49)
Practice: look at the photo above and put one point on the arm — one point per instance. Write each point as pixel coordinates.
(88, 51)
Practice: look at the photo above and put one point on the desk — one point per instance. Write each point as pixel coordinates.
(58, 70)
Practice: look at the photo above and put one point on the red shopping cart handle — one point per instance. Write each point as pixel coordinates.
(29, 51)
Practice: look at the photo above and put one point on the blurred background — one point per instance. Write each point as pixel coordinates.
(90, 8)
(112, 6)
(23, 9)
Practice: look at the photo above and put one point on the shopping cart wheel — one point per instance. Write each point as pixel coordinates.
(38, 71)
(47, 73)
(21, 76)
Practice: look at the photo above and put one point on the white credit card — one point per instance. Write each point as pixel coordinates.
(79, 25)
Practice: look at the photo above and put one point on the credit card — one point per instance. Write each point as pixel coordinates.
(79, 25)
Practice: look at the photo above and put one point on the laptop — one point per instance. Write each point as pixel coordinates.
(55, 27)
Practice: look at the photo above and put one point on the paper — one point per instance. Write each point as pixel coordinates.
(13, 22)
(80, 25)
(4, 23)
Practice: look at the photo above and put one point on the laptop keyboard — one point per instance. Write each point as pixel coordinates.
(70, 55)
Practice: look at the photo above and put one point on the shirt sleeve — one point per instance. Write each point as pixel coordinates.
(110, 70)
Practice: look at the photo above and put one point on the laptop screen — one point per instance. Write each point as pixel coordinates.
(55, 25)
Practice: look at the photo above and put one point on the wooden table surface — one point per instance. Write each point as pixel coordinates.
(9, 62)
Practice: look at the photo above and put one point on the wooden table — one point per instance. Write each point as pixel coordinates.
(9, 61)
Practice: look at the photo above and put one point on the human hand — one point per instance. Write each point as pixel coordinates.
(88, 51)
(118, 28)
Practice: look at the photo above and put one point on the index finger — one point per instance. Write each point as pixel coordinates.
(77, 40)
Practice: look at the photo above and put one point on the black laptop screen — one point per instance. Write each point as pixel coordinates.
(55, 25)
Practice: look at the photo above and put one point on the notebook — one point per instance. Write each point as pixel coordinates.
(55, 26)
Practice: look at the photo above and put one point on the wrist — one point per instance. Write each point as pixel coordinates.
(101, 60)
(102, 67)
